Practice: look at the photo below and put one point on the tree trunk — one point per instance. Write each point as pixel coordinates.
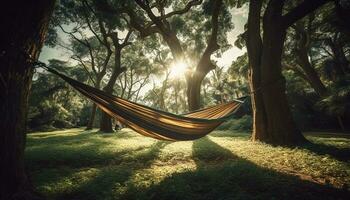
(106, 123)
(341, 63)
(204, 65)
(254, 48)
(106, 120)
(92, 117)
(193, 91)
(311, 74)
(272, 118)
(281, 128)
(174, 45)
(91, 122)
(22, 36)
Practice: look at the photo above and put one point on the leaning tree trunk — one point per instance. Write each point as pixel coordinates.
(205, 65)
(24, 25)
(310, 73)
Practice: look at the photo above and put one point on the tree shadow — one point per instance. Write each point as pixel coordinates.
(84, 149)
(341, 154)
(222, 175)
(206, 153)
(232, 134)
(111, 177)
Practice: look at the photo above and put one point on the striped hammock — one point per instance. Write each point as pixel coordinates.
(155, 123)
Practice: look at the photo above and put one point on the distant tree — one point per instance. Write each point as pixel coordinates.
(138, 70)
(96, 41)
(91, 51)
(315, 51)
(22, 36)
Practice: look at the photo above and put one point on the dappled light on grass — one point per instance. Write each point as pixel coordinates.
(297, 161)
(125, 165)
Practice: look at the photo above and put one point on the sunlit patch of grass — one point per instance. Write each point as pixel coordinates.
(78, 164)
(298, 161)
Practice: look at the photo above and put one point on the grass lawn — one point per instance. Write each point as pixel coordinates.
(78, 164)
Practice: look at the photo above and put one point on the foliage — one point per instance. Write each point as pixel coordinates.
(338, 102)
(53, 104)
(243, 123)
(148, 61)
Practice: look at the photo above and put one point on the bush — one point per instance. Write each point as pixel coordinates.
(242, 124)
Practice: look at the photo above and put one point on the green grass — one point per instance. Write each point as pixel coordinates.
(78, 164)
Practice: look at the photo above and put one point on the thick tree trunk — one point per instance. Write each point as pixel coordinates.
(22, 36)
(272, 118)
(193, 91)
(106, 123)
(174, 44)
(281, 128)
(254, 48)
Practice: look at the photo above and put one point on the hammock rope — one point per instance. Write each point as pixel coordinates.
(155, 123)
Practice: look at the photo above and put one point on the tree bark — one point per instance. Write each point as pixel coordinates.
(312, 77)
(193, 91)
(91, 122)
(22, 36)
(273, 122)
(281, 128)
(204, 65)
(92, 117)
(342, 65)
(106, 120)
(254, 48)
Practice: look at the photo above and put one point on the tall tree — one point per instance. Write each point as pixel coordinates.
(26, 25)
(147, 21)
(88, 41)
(106, 120)
(272, 118)
(104, 44)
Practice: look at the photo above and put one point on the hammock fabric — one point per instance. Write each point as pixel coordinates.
(155, 123)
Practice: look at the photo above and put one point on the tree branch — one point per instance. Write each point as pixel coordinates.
(205, 63)
(72, 35)
(301, 10)
(77, 58)
(188, 6)
(126, 39)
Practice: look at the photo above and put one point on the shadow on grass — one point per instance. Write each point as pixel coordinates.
(232, 134)
(83, 154)
(87, 149)
(59, 138)
(341, 154)
(232, 178)
(113, 177)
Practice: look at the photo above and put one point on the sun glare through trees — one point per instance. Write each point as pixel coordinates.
(178, 69)
(185, 99)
